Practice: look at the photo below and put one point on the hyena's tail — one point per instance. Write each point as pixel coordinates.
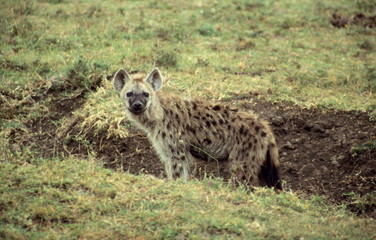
(269, 172)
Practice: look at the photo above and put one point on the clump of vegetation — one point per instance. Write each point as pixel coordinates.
(361, 204)
(370, 79)
(166, 57)
(366, 5)
(79, 75)
(100, 115)
(369, 146)
(173, 33)
(206, 30)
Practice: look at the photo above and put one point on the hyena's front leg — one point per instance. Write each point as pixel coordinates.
(177, 167)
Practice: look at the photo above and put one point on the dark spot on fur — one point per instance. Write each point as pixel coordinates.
(221, 121)
(255, 140)
(214, 123)
(182, 158)
(263, 134)
(253, 158)
(207, 123)
(194, 106)
(177, 117)
(229, 127)
(272, 145)
(241, 131)
(217, 108)
(163, 135)
(257, 129)
(245, 166)
(191, 129)
(177, 173)
(250, 145)
(197, 117)
(203, 118)
(207, 141)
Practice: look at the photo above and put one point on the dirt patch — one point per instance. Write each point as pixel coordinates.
(359, 19)
(320, 151)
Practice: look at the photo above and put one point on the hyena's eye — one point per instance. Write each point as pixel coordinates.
(146, 94)
(129, 94)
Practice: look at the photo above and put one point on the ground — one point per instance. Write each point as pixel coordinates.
(322, 152)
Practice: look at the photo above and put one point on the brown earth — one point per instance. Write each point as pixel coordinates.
(360, 19)
(322, 152)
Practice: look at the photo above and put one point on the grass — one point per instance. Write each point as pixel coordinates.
(289, 48)
(56, 51)
(74, 198)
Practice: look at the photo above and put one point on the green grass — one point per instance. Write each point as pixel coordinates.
(57, 50)
(287, 47)
(71, 199)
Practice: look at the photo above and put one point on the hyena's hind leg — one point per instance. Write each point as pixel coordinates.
(243, 166)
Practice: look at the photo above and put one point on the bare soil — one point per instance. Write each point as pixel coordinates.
(360, 19)
(319, 150)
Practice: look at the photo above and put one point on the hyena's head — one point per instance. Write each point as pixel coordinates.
(137, 93)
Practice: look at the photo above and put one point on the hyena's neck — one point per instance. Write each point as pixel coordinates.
(151, 118)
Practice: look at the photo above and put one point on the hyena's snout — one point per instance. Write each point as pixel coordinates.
(137, 105)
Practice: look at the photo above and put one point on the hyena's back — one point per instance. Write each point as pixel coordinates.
(223, 133)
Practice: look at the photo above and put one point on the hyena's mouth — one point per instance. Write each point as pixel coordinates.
(137, 111)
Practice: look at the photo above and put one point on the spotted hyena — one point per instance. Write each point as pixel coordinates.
(183, 131)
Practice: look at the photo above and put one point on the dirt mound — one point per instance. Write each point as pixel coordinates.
(359, 19)
(321, 152)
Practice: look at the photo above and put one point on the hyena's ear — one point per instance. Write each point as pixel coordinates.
(155, 79)
(120, 78)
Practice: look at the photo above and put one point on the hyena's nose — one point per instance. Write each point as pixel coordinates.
(137, 105)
